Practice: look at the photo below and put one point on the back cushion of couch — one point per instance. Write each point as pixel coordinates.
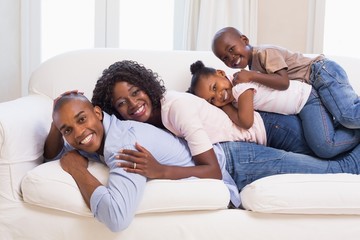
(21, 145)
(81, 69)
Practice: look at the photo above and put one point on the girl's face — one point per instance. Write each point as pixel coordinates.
(233, 50)
(131, 102)
(216, 89)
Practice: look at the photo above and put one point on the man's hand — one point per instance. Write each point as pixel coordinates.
(73, 161)
(76, 165)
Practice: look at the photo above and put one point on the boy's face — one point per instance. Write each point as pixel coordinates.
(80, 124)
(233, 49)
(216, 89)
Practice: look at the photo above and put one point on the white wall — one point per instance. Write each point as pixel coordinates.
(280, 22)
(10, 84)
(283, 23)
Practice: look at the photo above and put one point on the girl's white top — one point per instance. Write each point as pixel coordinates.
(289, 101)
(202, 124)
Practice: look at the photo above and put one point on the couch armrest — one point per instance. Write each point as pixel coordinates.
(24, 125)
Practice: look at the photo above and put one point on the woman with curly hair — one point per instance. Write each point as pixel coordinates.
(145, 83)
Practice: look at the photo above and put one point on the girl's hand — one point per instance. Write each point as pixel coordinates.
(141, 162)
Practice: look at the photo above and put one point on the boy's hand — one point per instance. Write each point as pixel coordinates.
(242, 76)
(73, 161)
(141, 162)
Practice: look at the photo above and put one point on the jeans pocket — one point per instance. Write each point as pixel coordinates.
(330, 70)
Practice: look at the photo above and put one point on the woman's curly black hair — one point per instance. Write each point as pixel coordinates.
(133, 73)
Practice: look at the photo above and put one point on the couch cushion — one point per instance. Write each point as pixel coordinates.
(24, 125)
(304, 194)
(49, 186)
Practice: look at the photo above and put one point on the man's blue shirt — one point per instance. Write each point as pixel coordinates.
(115, 204)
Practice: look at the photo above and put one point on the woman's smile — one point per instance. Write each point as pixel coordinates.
(131, 102)
(140, 111)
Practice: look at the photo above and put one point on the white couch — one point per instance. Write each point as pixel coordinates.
(40, 201)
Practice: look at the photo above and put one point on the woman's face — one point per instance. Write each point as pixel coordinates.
(131, 102)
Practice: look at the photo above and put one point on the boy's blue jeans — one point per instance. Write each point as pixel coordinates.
(331, 82)
(324, 136)
(247, 162)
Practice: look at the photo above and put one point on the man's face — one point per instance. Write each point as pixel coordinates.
(80, 124)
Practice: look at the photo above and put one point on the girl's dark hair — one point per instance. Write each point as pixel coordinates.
(198, 70)
(133, 73)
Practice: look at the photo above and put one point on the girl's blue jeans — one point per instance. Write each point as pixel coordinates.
(330, 80)
(247, 162)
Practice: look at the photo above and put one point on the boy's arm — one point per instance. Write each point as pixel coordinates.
(54, 143)
(278, 80)
(243, 116)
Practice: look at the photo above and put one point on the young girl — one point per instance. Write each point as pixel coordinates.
(323, 136)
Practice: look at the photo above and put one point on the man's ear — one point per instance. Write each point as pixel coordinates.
(220, 72)
(98, 112)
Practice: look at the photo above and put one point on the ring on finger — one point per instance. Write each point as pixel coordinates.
(134, 165)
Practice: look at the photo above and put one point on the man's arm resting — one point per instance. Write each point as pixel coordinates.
(114, 205)
(76, 165)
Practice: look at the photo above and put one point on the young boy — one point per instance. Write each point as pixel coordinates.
(273, 66)
(99, 136)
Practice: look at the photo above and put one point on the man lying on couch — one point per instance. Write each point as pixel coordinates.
(100, 136)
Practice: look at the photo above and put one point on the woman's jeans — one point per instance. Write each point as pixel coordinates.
(324, 136)
(285, 132)
(247, 162)
(331, 82)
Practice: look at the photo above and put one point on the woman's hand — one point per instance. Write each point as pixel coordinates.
(141, 162)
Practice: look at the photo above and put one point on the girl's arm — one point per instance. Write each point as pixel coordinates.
(206, 165)
(54, 143)
(278, 80)
(232, 112)
(243, 116)
(245, 109)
